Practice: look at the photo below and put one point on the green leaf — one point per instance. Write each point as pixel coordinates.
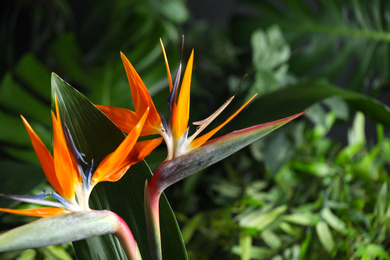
(34, 74)
(304, 219)
(271, 239)
(382, 202)
(365, 256)
(26, 104)
(175, 10)
(28, 254)
(270, 54)
(260, 220)
(333, 221)
(319, 169)
(325, 236)
(306, 243)
(57, 252)
(96, 136)
(377, 251)
(14, 176)
(246, 245)
(256, 252)
(300, 96)
(357, 134)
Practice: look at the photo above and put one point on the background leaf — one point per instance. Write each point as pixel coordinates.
(300, 96)
(346, 43)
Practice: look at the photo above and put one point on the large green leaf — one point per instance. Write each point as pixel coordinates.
(96, 136)
(298, 97)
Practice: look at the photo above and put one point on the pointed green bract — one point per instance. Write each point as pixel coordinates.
(96, 136)
(59, 229)
(213, 151)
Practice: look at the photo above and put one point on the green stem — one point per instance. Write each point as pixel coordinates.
(153, 221)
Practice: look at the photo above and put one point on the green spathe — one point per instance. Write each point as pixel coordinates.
(211, 152)
(60, 229)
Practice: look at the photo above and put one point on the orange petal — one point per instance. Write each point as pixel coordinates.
(201, 140)
(44, 156)
(117, 162)
(36, 212)
(141, 97)
(65, 169)
(181, 111)
(124, 119)
(167, 66)
(139, 152)
(143, 148)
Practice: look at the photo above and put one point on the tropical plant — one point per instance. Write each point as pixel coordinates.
(309, 190)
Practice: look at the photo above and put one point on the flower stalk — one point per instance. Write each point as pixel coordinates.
(126, 238)
(152, 215)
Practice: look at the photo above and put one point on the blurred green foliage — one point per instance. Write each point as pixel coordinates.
(316, 189)
(324, 201)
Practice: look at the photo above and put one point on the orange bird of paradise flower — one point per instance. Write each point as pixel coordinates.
(174, 132)
(65, 172)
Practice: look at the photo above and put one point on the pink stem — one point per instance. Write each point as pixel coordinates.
(126, 239)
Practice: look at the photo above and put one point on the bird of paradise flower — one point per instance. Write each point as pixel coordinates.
(176, 131)
(65, 172)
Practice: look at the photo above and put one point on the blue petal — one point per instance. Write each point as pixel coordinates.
(24, 197)
(61, 200)
(38, 199)
(79, 156)
(172, 95)
(165, 125)
(88, 175)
